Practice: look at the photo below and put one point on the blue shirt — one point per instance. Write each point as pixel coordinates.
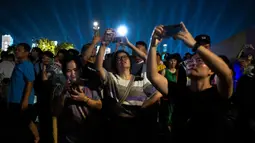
(23, 72)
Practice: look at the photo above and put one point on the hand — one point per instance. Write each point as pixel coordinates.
(96, 39)
(80, 96)
(125, 41)
(185, 36)
(37, 139)
(24, 104)
(156, 36)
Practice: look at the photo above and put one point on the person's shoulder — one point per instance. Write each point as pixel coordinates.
(27, 62)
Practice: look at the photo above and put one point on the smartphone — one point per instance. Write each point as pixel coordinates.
(117, 39)
(74, 86)
(171, 30)
(109, 35)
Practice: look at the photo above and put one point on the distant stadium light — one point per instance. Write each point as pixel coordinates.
(122, 30)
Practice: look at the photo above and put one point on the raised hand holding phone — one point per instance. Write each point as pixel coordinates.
(109, 36)
(96, 28)
(185, 36)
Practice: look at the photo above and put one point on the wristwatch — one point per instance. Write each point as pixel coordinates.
(194, 49)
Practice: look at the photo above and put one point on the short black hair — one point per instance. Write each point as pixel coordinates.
(69, 59)
(37, 49)
(73, 52)
(4, 54)
(48, 54)
(27, 47)
(85, 47)
(141, 43)
(114, 60)
(11, 56)
(175, 56)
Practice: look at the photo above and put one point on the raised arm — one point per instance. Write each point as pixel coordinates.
(215, 63)
(157, 80)
(90, 49)
(134, 48)
(99, 62)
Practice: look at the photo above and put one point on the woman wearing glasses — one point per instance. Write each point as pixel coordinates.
(130, 96)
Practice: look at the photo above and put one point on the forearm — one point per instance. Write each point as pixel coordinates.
(215, 63)
(28, 89)
(152, 71)
(95, 104)
(220, 68)
(89, 51)
(139, 52)
(100, 60)
(152, 100)
(117, 48)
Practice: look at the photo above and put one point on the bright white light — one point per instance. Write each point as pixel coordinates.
(55, 43)
(95, 24)
(165, 45)
(34, 45)
(122, 31)
(108, 51)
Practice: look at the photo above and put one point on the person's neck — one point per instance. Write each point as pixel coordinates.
(125, 74)
(171, 69)
(23, 59)
(200, 84)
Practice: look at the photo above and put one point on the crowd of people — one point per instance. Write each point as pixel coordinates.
(87, 96)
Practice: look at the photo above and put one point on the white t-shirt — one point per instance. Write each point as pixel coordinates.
(6, 67)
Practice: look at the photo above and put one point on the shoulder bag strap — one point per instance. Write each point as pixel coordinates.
(128, 90)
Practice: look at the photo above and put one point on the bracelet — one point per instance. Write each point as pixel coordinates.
(86, 101)
(195, 47)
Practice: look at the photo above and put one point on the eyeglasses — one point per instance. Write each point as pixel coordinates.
(125, 57)
(191, 63)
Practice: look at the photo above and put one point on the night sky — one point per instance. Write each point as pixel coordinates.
(71, 20)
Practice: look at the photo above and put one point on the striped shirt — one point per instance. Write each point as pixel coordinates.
(140, 91)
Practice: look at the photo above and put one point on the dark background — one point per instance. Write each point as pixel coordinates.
(71, 20)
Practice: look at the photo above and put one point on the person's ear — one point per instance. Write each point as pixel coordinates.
(210, 73)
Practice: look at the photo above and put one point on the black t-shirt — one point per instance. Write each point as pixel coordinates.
(197, 116)
(91, 77)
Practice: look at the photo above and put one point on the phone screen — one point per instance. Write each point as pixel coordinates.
(109, 35)
(171, 30)
(117, 40)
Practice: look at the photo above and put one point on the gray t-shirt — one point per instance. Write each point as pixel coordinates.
(141, 90)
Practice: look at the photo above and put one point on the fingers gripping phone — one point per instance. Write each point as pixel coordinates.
(74, 86)
(171, 30)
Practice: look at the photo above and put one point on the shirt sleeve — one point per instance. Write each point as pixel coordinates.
(95, 95)
(148, 88)
(108, 77)
(29, 72)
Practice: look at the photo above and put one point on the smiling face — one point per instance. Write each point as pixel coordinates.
(72, 72)
(196, 68)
